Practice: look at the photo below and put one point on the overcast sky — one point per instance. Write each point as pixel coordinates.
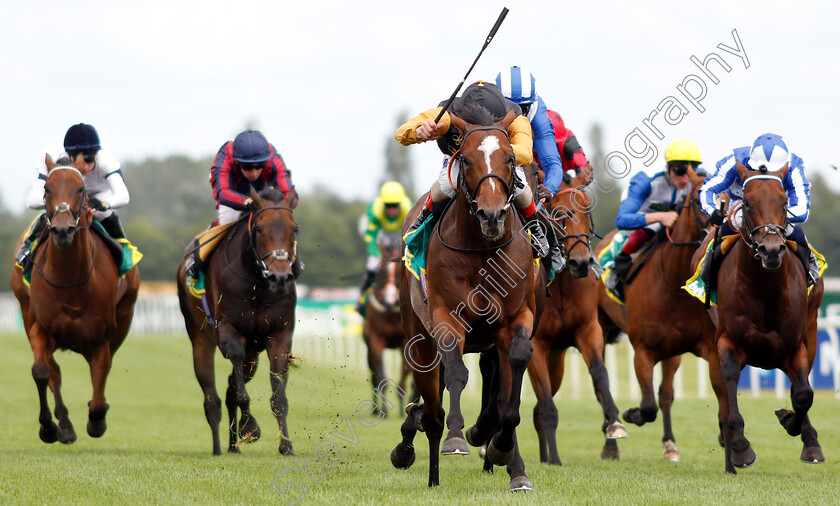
(325, 81)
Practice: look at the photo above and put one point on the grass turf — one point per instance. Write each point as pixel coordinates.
(157, 446)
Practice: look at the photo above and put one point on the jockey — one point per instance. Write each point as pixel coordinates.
(574, 159)
(768, 152)
(248, 162)
(104, 185)
(517, 85)
(652, 199)
(385, 214)
(422, 128)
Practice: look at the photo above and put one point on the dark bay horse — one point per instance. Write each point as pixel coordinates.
(251, 298)
(76, 301)
(382, 328)
(661, 320)
(481, 294)
(570, 319)
(765, 317)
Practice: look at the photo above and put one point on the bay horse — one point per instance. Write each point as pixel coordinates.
(661, 320)
(570, 319)
(250, 298)
(76, 301)
(382, 328)
(482, 292)
(765, 317)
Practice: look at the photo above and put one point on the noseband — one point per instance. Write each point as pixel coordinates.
(560, 221)
(277, 254)
(64, 207)
(770, 229)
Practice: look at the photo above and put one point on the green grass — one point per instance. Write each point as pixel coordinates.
(157, 447)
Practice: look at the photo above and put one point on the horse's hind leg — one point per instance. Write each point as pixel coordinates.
(487, 422)
(66, 433)
(519, 481)
(41, 374)
(100, 365)
(796, 422)
(590, 342)
(666, 400)
(249, 429)
(402, 455)
(545, 412)
(203, 358)
(279, 349)
(377, 369)
(738, 452)
(646, 412)
(455, 379)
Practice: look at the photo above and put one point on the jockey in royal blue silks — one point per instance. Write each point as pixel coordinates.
(768, 152)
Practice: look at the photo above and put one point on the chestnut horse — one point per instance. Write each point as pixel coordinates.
(765, 317)
(571, 320)
(382, 328)
(250, 297)
(481, 293)
(76, 301)
(661, 320)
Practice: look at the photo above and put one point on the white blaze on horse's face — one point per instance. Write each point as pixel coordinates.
(488, 146)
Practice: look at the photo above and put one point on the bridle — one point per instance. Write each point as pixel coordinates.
(277, 254)
(560, 223)
(64, 207)
(748, 232)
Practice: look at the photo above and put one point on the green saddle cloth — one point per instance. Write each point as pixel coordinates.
(607, 261)
(416, 246)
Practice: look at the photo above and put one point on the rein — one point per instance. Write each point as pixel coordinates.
(689, 204)
(771, 228)
(278, 254)
(80, 283)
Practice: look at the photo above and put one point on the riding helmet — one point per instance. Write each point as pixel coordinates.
(682, 150)
(517, 85)
(81, 137)
(770, 152)
(251, 146)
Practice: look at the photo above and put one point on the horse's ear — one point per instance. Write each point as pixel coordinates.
(291, 197)
(743, 172)
(79, 162)
(458, 123)
(254, 195)
(508, 119)
(48, 161)
(782, 173)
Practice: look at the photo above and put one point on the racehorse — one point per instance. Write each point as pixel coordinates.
(765, 317)
(473, 302)
(250, 302)
(382, 328)
(571, 320)
(661, 320)
(76, 301)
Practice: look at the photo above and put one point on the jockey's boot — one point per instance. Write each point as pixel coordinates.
(809, 261)
(23, 257)
(112, 225)
(621, 265)
(558, 259)
(437, 210)
(539, 242)
(190, 267)
(366, 282)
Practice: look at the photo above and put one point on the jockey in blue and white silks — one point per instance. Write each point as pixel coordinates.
(769, 152)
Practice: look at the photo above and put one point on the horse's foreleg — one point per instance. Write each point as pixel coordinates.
(646, 412)
(519, 481)
(66, 432)
(455, 378)
(545, 412)
(590, 341)
(249, 429)
(666, 400)
(100, 365)
(279, 349)
(41, 374)
(738, 451)
(203, 358)
(487, 422)
(236, 397)
(802, 398)
(377, 370)
(513, 362)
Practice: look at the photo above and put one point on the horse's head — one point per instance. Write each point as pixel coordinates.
(764, 212)
(387, 286)
(691, 215)
(572, 222)
(487, 167)
(64, 200)
(272, 231)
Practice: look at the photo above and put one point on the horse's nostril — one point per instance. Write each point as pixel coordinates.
(481, 214)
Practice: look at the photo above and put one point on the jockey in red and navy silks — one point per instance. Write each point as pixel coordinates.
(517, 85)
(249, 161)
(769, 152)
(574, 159)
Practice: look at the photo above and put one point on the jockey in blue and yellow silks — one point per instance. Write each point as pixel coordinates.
(769, 152)
(384, 215)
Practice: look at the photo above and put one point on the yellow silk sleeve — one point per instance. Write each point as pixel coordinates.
(522, 141)
(407, 133)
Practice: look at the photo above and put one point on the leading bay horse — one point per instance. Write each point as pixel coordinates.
(765, 317)
(382, 328)
(76, 301)
(661, 320)
(570, 319)
(481, 294)
(250, 301)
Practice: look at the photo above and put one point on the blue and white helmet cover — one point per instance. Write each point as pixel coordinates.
(517, 85)
(769, 151)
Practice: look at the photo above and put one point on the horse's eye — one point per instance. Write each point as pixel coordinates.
(297, 229)
(257, 229)
(80, 191)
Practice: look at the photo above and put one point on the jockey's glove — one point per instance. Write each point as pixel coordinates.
(249, 203)
(98, 204)
(544, 193)
(716, 218)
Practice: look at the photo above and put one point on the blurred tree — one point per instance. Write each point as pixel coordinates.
(821, 230)
(607, 193)
(398, 166)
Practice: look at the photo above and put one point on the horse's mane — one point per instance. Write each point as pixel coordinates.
(271, 193)
(475, 114)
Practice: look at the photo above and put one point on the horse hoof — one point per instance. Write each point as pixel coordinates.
(634, 415)
(285, 447)
(48, 433)
(521, 483)
(482, 452)
(785, 417)
(616, 431)
(744, 458)
(402, 456)
(96, 428)
(454, 445)
(610, 454)
(410, 407)
(497, 457)
(233, 449)
(474, 436)
(671, 454)
(249, 429)
(812, 455)
(66, 434)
